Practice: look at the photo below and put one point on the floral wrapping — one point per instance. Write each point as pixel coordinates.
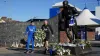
(40, 35)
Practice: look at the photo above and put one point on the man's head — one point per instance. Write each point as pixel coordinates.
(32, 23)
(45, 22)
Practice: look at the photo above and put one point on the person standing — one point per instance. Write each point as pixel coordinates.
(30, 30)
(47, 29)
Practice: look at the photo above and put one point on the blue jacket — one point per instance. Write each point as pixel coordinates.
(30, 29)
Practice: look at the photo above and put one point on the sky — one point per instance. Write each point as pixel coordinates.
(23, 10)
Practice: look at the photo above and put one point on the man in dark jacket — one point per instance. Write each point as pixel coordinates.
(47, 29)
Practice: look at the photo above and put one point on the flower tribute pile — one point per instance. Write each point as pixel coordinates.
(40, 35)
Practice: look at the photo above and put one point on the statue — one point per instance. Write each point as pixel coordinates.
(66, 13)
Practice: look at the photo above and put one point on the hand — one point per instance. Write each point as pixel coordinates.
(25, 36)
(52, 35)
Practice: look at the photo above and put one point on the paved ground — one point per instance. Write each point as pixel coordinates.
(9, 52)
(95, 52)
(39, 52)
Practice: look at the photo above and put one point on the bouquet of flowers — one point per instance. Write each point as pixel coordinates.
(83, 43)
(40, 35)
(79, 42)
(88, 44)
(60, 50)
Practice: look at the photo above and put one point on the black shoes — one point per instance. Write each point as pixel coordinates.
(31, 51)
(27, 52)
(46, 51)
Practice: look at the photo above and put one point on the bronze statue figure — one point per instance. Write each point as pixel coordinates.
(65, 15)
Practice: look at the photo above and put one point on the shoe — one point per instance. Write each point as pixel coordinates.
(31, 51)
(27, 52)
(71, 42)
(46, 51)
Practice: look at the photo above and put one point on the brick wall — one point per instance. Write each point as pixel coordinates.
(63, 37)
(90, 35)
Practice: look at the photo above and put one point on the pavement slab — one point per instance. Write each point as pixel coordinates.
(39, 52)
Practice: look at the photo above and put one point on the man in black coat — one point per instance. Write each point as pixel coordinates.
(47, 29)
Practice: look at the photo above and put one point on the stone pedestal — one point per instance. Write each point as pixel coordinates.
(78, 50)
